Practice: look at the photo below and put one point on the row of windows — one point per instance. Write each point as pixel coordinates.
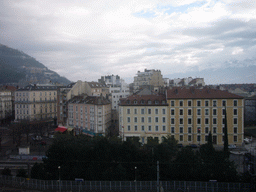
(142, 119)
(143, 111)
(199, 121)
(34, 94)
(146, 102)
(201, 130)
(206, 111)
(199, 103)
(149, 128)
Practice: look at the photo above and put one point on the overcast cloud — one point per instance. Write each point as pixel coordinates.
(83, 40)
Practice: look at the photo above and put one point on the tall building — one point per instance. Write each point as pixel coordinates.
(143, 116)
(36, 102)
(193, 113)
(6, 101)
(89, 114)
(188, 114)
(110, 80)
(148, 78)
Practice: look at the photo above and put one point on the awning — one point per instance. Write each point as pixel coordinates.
(61, 129)
(70, 129)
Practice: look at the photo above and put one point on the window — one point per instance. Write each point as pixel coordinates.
(142, 128)
(198, 103)
(206, 138)
(156, 111)
(214, 121)
(156, 127)
(181, 103)
(206, 129)
(181, 121)
(163, 111)
(142, 111)
(135, 111)
(198, 111)
(235, 130)
(164, 128)
(128, 119)
(181, 111)
(224, 103)
(149, 111)
(198, 121)
(189, 121)
(181, 129)
(189, 138)
(223, 121)
(206, 112)
(214, 111)
(214, 129)
(235, 112)
(172, 111)
(189, 111)
(156, 119)
(172, 103)
(135, 119)
(235, 138)
(135, 128)
(149, 128)
(235, 103)
(206, 103)
(235, 121)
(172, 121)
(172, 129)
(128, 111)
(163, 119)
(198, 138)
(149, 102)
(214, 103)
(198, 129)
(181, 137)
(129, 128)
(142, 119)
(223, 111)
(189, 103)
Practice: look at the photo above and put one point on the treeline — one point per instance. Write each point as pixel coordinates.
(111, 159)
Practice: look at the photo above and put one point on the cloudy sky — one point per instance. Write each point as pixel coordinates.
(86, 39)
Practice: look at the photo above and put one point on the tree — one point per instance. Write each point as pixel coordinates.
(226, 152)
(22, 173)
(6, 171)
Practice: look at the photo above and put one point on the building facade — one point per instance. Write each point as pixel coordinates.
(143, 116)
(188, 114)
(36, 102)
(6, 102)
(193, 113)
(147, 78)
(250, 111)
(89, 113)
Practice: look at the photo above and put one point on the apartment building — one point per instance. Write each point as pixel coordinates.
(148, 78)
(143, 116)
(36, 102)
(89, 113)
(6, 101)
(193, 113)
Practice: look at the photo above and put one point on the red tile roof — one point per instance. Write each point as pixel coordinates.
(142, 100)
(205, 93)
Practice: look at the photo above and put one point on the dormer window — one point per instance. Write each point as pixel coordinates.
(156, 102)
(149, 102)
(163, 102)
(142, 101)
(128, 101)
(135, 101)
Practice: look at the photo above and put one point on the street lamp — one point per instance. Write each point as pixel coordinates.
(59, 179)
(135, 168)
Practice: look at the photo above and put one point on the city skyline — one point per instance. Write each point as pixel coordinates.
(213, 40)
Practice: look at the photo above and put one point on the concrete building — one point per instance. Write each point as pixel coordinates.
(250, 111)
(6, 101)
(189, 81)
(148, 78)
(89, 114)
(143, 116)
(36, 102)
(193, 113)
(111, 80)
(188, 114)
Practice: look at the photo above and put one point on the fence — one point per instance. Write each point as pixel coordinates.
(167, 186)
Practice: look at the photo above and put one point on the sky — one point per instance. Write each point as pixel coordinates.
(84, 40)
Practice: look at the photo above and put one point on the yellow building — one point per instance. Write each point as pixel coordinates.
(143, 116)
(188, 114)
(193, 113)
(36, 102)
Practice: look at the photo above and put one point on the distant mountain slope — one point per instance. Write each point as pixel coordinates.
(19, 68)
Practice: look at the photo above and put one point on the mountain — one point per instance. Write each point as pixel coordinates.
(21, 69)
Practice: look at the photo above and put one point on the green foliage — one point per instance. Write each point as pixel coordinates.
(22, 173)
(6, 171)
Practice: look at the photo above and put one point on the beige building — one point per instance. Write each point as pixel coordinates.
(143, 116)
(188, 114)
(148, 78)
(193, 113)
(36, 102)
(6, 101)
(89, 114)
